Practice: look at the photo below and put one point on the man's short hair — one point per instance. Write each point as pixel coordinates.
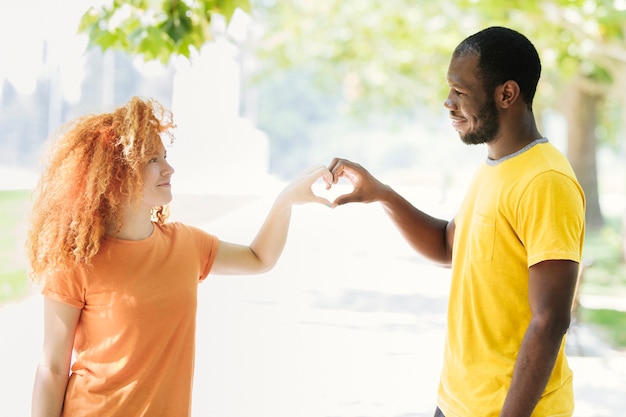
(504, 54)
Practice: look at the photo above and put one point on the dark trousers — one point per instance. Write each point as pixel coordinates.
(438, 413)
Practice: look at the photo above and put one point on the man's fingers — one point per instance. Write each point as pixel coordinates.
(333, 164)
(337, 167)
(344, 199)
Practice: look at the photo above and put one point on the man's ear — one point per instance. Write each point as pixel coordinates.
(507, 94)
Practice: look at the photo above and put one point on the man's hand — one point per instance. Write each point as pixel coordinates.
(429, 236)
(366, 189)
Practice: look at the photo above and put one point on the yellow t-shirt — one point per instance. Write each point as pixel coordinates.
(519, 211)
(134, 344)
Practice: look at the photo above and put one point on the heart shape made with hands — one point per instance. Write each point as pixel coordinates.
(341, 188)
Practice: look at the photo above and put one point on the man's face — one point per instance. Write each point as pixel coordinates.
(474, 114)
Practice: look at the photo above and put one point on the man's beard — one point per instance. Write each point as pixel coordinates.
(489, 126)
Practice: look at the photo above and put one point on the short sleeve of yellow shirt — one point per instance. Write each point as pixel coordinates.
(550, 216)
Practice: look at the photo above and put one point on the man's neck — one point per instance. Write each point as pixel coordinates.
(513, 138)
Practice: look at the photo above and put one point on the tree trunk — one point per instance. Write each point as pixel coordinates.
(581, 107)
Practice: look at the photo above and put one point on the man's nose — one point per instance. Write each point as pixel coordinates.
(449, 103)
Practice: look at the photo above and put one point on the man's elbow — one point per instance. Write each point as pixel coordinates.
(555, 324)
(561, 325)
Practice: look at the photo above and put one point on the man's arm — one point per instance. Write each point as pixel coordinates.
(551, 289)
(429, 236)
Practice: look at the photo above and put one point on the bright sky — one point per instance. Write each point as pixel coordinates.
(23, 28)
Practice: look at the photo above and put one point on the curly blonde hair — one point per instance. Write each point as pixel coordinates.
(94, 167)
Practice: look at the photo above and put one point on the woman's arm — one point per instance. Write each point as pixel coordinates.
(263, 253)
(60, 321)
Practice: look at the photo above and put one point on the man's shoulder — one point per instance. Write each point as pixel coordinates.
(553, 157)
(543, 158)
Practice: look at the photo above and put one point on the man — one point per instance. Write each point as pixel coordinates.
(514, 246)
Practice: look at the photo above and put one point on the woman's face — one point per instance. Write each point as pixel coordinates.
(157, 189)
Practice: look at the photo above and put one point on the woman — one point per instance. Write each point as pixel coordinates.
(119, 283)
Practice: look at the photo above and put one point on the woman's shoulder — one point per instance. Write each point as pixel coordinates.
(181, 229)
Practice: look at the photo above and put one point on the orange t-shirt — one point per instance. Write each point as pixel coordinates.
(135, 341)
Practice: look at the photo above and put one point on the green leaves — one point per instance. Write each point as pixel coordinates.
(395, 52)
(155, 29)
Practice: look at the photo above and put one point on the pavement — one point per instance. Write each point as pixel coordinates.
(350, 323)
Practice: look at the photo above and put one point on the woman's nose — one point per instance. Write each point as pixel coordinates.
(168, 169)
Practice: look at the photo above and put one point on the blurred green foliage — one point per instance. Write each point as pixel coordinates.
(383, 52)
(610, 323)
(157, 29)
(13, 215)
(607, 271)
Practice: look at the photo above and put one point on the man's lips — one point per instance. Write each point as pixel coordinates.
(457, 121)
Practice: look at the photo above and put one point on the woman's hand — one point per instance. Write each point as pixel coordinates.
(263, 253)
(299, 190)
